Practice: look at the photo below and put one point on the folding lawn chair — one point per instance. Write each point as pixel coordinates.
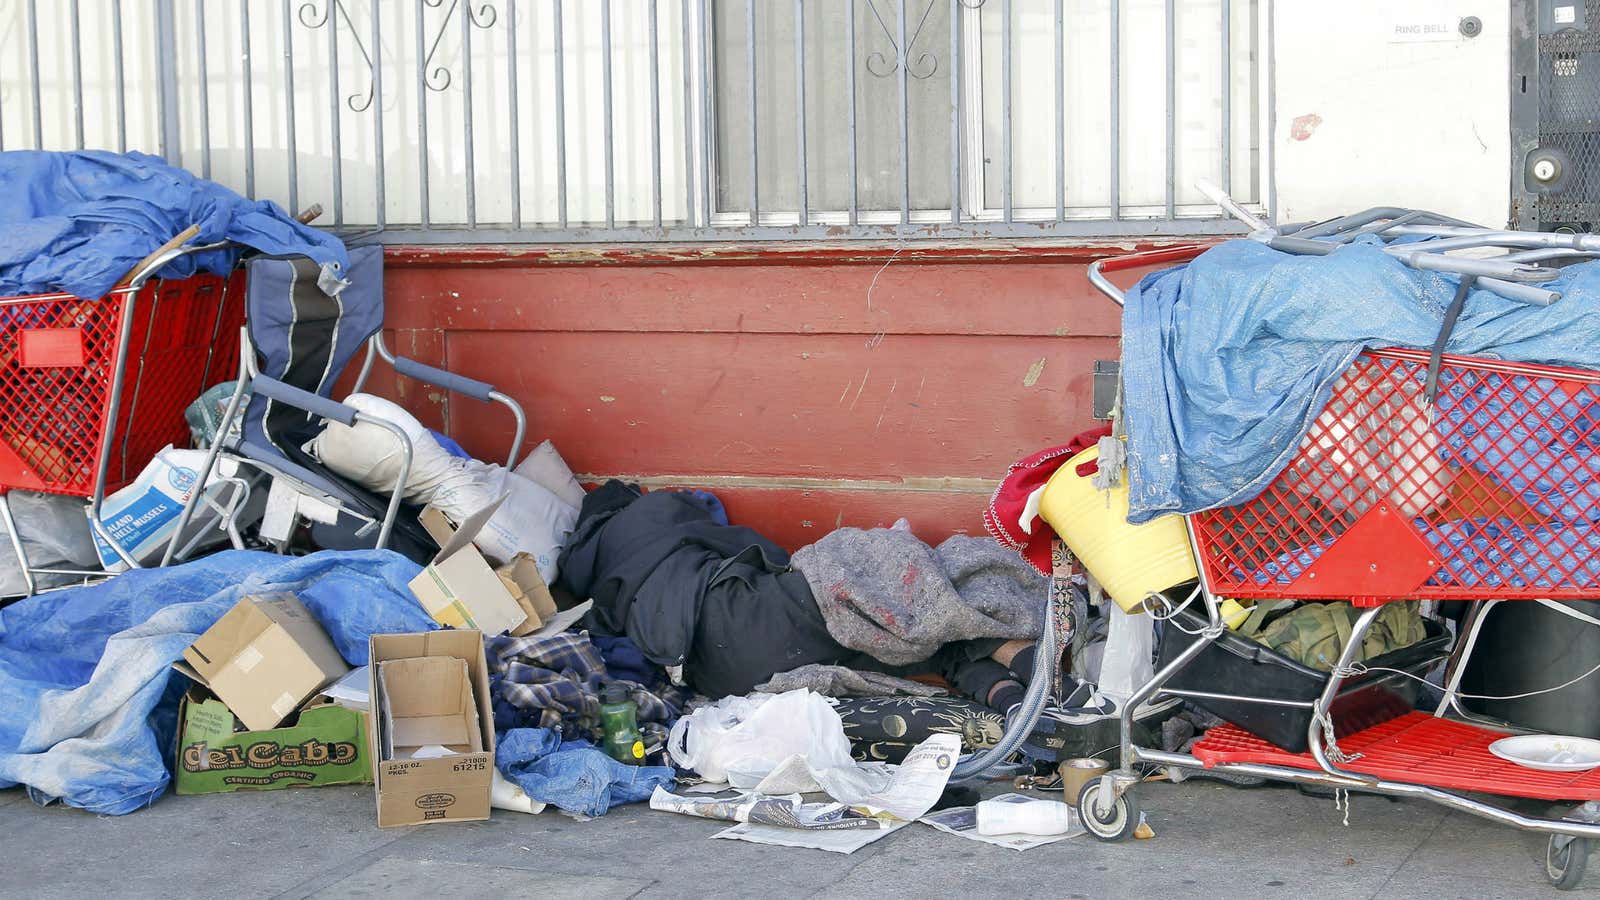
(295, 344)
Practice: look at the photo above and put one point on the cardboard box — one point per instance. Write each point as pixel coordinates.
(431, 689)
(325, 744)
(459, 589)
(264, 658)
(523, 582)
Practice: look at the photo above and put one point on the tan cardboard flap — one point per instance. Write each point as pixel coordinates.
(522, 581)
(222, 641)
(429, 701)
(451, 537)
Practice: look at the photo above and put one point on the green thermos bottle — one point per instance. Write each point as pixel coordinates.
(617, 719)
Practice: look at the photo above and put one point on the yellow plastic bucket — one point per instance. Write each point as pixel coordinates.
(1129, 561)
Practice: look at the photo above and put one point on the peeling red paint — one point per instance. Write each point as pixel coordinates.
(1304, 126)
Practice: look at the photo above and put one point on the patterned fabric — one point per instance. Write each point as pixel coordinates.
(886, 728)
(555, 682)
(1009, 503)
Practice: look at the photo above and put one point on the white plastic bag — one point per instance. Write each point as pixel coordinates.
(740, 740)
(1128, 663)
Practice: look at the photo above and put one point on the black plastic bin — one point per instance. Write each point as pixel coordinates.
(1237, 665)
(1528, 648)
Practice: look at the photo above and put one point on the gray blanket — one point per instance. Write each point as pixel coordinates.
(839, 681)
(889, 595)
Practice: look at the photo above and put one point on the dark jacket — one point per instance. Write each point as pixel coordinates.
(719, 600)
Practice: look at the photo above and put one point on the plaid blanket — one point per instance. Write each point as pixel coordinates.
(555, 682)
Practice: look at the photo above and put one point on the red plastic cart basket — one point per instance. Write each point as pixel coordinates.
(90, 390)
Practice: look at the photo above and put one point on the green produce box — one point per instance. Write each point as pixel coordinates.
(323, 744)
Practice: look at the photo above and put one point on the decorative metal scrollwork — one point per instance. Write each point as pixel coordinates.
(438, 78)
(922, 65)
(311, 18)
(484, 16)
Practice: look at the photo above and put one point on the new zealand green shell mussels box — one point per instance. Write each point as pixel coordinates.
(323, 744)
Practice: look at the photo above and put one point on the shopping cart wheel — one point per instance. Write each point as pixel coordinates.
(1113, 824)
(1564, 860)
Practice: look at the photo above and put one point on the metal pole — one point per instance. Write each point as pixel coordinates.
(655, 114)
(516, 128)
(1116, 109)
(1227, 96)
(1172, 108)
(288, 106)
(333, 119)
(955, 112)
(800, 106)
(561, 118)
(1061, 117)
(688, 115)
(422, 113)
(33, 61)
(380, 202)
(905, 114)
(249, 102)
(708, 108)
(1005, 105)
(205, 94)
(605, 81)
(755, 165)
(850, 89)
(1271, 156)
(122, 80)
(171, 140)
(77, 73)
(466, 113)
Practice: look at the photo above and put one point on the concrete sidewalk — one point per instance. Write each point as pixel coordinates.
(1211, 841)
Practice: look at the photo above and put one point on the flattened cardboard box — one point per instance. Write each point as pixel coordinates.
(460, 590)
(264, 658)
(325, 745)
(438, 702)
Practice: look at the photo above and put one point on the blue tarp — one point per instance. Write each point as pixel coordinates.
(1228, 360)
(77, 222)
(88, 703)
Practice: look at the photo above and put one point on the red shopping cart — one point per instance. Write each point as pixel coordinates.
(90, 390)
(1485, 494)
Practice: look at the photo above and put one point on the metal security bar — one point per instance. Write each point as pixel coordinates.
(669, 120)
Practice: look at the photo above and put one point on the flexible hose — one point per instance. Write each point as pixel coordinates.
(1021, 724)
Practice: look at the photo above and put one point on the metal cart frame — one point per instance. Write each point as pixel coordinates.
(1109, 807)
(139, 284)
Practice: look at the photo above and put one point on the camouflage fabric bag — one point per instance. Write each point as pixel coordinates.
(1314, 633)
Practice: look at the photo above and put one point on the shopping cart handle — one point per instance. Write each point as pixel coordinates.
(1097, 269)
(273, 389)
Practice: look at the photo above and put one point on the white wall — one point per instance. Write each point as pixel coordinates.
(1364, 120)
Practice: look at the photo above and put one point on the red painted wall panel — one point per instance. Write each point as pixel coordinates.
(810, 386)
